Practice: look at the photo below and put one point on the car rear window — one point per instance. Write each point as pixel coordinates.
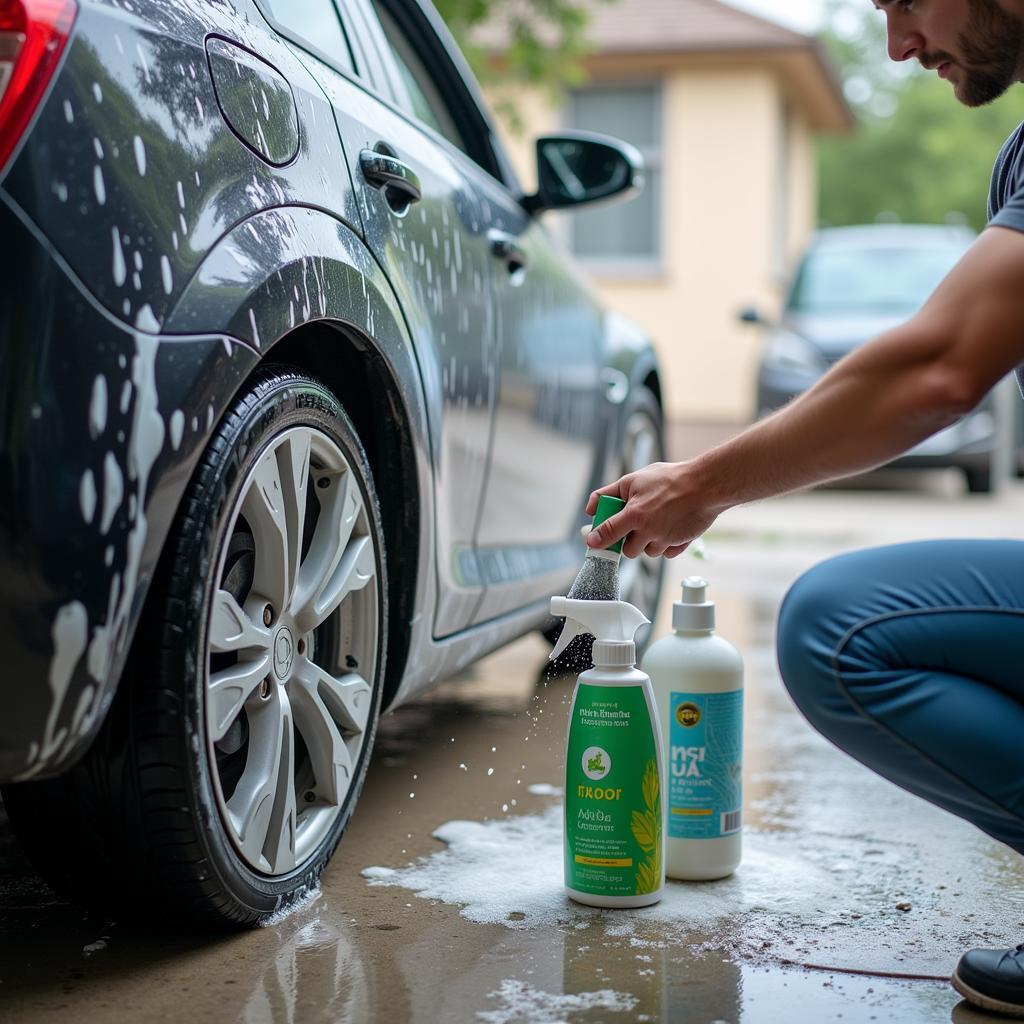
(884, 280)
(315, 24)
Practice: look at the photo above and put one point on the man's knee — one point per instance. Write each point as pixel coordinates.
(809, 628)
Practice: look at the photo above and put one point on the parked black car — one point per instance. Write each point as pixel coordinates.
(850, 285)
(300, 406)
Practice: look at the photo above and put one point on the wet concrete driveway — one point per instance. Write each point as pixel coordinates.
(853, 901)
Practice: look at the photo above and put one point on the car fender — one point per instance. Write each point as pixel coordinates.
(127, 418)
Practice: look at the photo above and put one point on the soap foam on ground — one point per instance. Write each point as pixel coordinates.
(514, 867)
(796, 898)
(523, 1002)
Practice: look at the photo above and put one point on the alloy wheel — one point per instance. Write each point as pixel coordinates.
(292, 641)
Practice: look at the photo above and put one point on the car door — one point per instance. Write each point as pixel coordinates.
(546, 340)
(547, 431)
(425, 224)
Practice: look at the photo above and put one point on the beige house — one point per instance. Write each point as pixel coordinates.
(725, 107)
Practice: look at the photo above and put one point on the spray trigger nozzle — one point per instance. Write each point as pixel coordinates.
(616, 621)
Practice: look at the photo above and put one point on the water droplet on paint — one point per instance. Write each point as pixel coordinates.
(140, 155)
(177, 426)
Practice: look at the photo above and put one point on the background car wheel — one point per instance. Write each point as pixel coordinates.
(979, 479)
(233, 757)
(642, 443)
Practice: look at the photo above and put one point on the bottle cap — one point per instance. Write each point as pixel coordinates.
(694, 611)
(607, 506)
(614, 653)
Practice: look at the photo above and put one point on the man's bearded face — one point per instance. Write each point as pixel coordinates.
(990, 46)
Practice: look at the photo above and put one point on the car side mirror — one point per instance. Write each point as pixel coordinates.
(576, 168)
(750, 315)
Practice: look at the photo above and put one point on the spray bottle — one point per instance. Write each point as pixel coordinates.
(698, 685)
(614, 776)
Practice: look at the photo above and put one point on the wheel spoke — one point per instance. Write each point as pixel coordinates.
(280, 845)
(228, 691)
(293, 466)
(264, 508)
(328, 754)
(231, 629)
(262, 808)
(357, 568)
(336, 563)
(348, 697)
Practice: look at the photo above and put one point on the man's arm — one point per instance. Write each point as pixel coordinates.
(882, 399)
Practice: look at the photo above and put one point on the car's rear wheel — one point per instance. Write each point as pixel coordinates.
(979, 478)
(643, 442)
(231, 762)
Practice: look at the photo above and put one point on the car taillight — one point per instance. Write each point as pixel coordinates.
(32, 38)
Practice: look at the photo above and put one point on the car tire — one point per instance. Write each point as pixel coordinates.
(979, 479)
(233, 756)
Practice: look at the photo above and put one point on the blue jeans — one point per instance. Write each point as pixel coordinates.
(911, 659)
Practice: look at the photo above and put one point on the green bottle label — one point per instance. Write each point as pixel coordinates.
(613, 818)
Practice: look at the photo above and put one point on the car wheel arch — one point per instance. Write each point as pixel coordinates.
(295, 283)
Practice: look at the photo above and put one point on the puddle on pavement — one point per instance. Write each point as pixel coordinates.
(827, 841)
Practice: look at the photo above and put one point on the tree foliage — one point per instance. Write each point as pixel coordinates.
(544, 40)
(918, 154)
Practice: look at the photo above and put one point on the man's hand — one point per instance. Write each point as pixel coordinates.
(665, 511)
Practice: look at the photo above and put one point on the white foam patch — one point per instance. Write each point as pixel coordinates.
(301, 902)
(796, 898)
(522, 1002)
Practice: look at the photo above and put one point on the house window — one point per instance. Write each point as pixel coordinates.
(626, 234)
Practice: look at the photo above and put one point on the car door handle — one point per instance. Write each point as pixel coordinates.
(505, 248)
(387, 172)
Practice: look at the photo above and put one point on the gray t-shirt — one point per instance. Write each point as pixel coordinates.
(1006, 195)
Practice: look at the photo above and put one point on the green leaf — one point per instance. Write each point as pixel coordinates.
(643, 833)
(546, 41)
(651, 789)
(648, 877)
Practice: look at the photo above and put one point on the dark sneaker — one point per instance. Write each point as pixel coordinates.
(993, 979)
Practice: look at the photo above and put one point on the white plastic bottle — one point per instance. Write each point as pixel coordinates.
(698, 687)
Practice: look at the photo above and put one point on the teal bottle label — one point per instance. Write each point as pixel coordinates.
(705, 764)
(613, 816)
